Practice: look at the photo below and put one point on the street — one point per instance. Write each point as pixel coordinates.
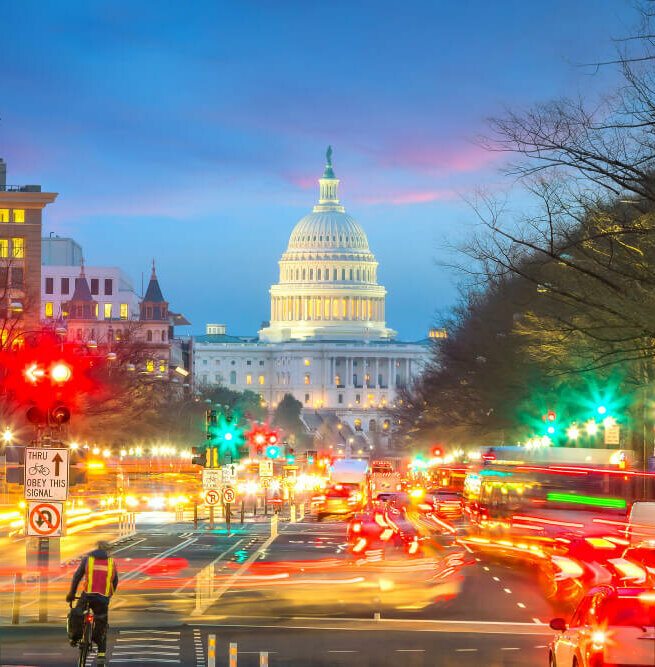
(297, 598)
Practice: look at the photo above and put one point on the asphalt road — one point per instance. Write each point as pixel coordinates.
(302, 598)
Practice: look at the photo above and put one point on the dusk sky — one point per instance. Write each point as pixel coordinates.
(195, 132)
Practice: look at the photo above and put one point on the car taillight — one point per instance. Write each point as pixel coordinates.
(89, 618)
(361, 543)
(357, 527)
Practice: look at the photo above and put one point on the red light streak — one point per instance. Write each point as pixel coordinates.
(550, 522)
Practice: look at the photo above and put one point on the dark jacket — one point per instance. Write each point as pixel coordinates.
(81, 571)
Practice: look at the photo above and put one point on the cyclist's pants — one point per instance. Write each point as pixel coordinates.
(100, 606)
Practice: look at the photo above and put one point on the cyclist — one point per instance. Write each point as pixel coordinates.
(100, 582)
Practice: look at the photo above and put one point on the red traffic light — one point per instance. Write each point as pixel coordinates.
(60, 372)
(437, 451)
(272, 438)
(551, 416)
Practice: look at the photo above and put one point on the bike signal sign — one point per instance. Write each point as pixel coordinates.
(46, 473)
(228, 495)
(212, 497)
(45, 519)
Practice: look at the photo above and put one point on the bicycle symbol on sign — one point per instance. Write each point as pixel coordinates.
(39, 469)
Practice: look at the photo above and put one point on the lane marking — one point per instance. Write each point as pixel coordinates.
(342, 651)
(511, 648)
(507, 590)
(217, 559)
(485, 568)
(465, 650)
(495, 578)
(410, 650)
(520, 604)
(537, 621)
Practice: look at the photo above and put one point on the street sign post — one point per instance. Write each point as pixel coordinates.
(46, 473)
(230, 473)
(45, 519)
(266, 482)
(228, 495)
(211, 478)
(613, 435)
(266, 468)
(212, 497)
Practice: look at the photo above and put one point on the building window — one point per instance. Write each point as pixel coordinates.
(118, 334)
(19, 215)
(218, 362)
(4, 248)
(107, 311)
(109, 286)
(217, 378)
(149, 339)
(337, 380)
(233, 377)
(340, 398)
(49, 285)
(163, 336)
(95, 311)
(358, 424)
(307, 378)
(162, 366)
(343, 274)
(334, 274)
(204, 379)
(351, 274)
(357, 399)
(150, 365)
(17, 278)
(95, 286)
(261, 363)
(65, 285)
(4, 215)
(204, 362)
(318, 274)
(306, 398)
(233, 362)
(18, 248)
(355, 379)
(308, 362)
(248, 379)
(249, 363)
(49, 309)
(261, 379)
(123, 311)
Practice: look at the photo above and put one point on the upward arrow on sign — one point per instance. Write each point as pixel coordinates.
(57, 460)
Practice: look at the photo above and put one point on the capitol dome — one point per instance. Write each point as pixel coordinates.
(328, 277)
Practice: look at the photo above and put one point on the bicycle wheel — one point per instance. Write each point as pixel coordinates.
(85, 644)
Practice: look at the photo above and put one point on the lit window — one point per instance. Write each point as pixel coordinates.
(162, 366)
(19, 215)
(248, 379)
(4, 215)
(150, 365)
(306, 398)
(18, 248)
(123, 311)
(107, 311)
(307, 362)
(261, 379)
(96, 311)
(307, 378)
(337, 380)
(4, 248)
(49, 309)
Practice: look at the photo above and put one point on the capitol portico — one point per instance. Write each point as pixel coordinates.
(327, 342)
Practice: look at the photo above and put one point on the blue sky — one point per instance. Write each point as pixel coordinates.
(195, 132)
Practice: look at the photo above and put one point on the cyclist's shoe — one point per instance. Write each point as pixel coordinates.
(101, 662)
(72, 642)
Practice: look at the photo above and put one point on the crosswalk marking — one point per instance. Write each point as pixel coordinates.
(163, 646)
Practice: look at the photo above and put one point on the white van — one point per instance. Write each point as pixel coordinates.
(641, 522)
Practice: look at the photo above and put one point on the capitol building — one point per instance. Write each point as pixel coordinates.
(327, 342)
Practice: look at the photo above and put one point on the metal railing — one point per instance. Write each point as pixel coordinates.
(20, 188)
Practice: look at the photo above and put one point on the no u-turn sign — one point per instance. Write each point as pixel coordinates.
(45, 519)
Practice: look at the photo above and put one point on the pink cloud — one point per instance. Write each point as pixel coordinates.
(410, 197)
(303, 181)
(440, 157)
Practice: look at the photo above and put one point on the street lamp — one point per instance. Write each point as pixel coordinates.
(7, 435)
(592, 428)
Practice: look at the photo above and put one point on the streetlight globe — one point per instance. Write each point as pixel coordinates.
(7, 435)
(592, 428)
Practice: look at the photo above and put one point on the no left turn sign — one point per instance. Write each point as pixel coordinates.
(212, 497)
(45, 519)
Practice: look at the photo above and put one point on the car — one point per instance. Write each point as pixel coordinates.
(382, 527)
(610, 626)
(643, 556)
(446, 503)
(338, 500)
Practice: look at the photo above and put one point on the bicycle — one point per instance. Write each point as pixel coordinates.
(85, 643)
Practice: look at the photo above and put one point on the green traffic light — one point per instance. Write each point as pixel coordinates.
(601, 409)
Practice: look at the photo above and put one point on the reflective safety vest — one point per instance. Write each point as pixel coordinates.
(99, 576)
